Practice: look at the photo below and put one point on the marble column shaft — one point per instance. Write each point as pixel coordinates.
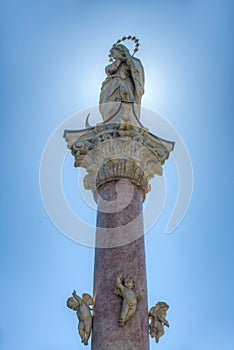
(127, 259)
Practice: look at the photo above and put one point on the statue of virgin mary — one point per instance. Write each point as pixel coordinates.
(124, 82)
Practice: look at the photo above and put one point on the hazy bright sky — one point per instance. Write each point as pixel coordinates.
(53, 57)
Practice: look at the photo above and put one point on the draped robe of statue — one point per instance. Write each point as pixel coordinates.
(124, 83)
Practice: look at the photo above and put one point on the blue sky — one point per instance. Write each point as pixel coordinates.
(53, 58)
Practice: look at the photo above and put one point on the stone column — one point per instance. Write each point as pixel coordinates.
(120, 157)
(127, 259)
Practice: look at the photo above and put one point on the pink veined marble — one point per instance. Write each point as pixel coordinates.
(127, 259)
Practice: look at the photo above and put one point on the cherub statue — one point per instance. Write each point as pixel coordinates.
(157, 315)
(125, 289)
(81, 306)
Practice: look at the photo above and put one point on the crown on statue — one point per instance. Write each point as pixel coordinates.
(130, 37)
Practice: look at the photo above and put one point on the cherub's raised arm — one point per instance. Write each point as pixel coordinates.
(119, 282)
(75, 296)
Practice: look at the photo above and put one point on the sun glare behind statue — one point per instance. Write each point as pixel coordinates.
(155, 95)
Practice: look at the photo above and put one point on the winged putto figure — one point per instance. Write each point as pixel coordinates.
(83, 311)
(157, 315)
(125, 289)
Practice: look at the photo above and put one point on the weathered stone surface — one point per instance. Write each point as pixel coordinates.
(126, 260)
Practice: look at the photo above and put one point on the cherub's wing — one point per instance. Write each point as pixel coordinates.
(72, 303)
(87, 299)
(152, 311)
(140, 295)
